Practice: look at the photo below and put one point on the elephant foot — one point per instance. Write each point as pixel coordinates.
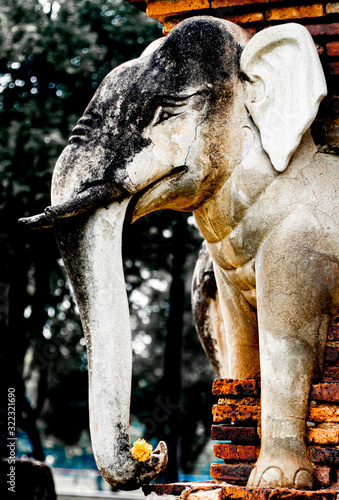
(282, 472)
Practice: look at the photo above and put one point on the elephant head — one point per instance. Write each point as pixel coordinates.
(165, 130)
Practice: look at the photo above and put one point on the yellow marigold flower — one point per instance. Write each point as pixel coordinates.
(142, 450)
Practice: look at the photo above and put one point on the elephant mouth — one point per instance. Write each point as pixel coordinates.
(101, 193)
(143, 202)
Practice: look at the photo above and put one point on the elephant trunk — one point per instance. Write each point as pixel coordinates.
(91, 250)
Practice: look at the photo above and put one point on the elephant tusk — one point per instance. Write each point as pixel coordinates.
(93, 197)
(159, 457)
(40, 221)
(96, 195)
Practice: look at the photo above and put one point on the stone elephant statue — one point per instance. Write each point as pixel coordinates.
(211, 121)
(207, 314)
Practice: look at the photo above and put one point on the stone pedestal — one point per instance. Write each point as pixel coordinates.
(218, 490)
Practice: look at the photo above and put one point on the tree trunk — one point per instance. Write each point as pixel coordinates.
(172, 380)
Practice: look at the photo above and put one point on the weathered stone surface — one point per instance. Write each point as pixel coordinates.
(234, 434)
(323, 436)
(325, 392)
(242, 493)
(231, 387)
(212, 494)
(188, 490)
(229, 492)
(231, 473)
(234, 413)
(233, 452)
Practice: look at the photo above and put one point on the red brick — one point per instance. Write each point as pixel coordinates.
(235, 3)
(233, 387)
(234, 452)
(331, 353)
(234, 434)
(234, 413)
(335, 479)
(163, 8)
(169, 25)
(333, 50)
(165, 489)
(243, 493)
(297, 12)
(324, 29)
(251, 17)
(229, 492)
(322, 477)
(332, 8)
(331, 373)
(324, 455)
(333, 69)
(323, 413)
(323, 436)
(231, 473)
(325, 392)
(320, 49)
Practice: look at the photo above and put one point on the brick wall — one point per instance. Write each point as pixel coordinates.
(320, 18)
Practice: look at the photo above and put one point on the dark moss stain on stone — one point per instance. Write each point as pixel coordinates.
(198, 53)
(203, 293)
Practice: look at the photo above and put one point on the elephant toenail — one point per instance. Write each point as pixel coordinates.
(271, 476)
(303, 480)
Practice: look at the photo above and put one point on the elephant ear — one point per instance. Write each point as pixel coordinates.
(285, 86)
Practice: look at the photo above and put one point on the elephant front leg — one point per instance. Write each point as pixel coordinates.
(286, 376)
(293, 328)
(241, 329)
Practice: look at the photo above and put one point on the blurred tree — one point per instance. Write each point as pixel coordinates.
(53, 55)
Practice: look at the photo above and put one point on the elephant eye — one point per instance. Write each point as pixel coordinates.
(163, 116)
(164, 113)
